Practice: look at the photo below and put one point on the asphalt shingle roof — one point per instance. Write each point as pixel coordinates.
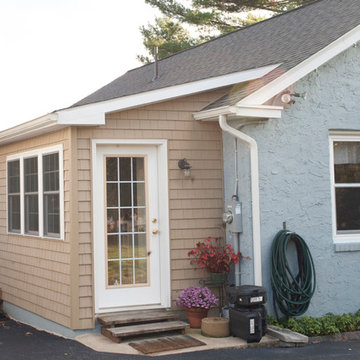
(287, 39)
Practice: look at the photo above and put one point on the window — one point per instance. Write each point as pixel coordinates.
(13, 170)
(346, 187)
(35, 193)
(51, 194)
(31, 197)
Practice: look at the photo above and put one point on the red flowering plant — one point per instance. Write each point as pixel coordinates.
(211, 256)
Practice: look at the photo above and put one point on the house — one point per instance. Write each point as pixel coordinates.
(97, 217)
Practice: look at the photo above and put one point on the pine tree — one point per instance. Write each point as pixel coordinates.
(209, 18)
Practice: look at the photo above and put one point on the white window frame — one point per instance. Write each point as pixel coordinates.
(39, 154)
(341, 238)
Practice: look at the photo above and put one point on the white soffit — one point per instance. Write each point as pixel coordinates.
(94, 114)
(313, 62)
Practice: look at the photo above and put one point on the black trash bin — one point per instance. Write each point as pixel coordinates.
(248, 315)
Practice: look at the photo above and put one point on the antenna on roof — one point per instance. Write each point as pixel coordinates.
(156, 66)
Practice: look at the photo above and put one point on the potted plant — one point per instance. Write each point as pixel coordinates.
(197, 301)
(211, 256)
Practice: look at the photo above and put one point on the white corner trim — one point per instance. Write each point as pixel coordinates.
(313, 62)
(256, 111)
(94, 114)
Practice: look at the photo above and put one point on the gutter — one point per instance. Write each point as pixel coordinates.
(39, 126)
(255, 199)
(249, 111)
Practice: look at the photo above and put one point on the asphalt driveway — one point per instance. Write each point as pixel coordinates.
(22, 342)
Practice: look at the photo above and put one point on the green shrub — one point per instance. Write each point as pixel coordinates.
(328, 324)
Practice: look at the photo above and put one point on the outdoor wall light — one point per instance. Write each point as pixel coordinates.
(184, 165)
(287, 98)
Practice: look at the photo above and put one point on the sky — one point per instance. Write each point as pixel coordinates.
(55, 52)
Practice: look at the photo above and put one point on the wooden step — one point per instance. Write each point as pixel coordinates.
(136, 317)
(118, 333)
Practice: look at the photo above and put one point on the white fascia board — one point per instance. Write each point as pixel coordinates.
(255, 111)
(42, 125)
(94, 114)
(310, 64)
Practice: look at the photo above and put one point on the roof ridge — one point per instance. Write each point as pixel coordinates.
(229, 33)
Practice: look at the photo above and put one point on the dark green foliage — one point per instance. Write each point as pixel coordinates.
(169, 36)
(210, 18)
(328, 324)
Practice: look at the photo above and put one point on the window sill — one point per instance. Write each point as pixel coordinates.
(343, 246)
(36, 236)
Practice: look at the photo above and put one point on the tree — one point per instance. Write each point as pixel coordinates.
(210, 18)
(169, 36)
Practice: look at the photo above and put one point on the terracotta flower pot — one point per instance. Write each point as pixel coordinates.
(195, 315)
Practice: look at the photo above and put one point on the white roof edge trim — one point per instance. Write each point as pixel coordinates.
(39, 126)
(256, 111)
(296, 73)
(212, 114)
(94, 114)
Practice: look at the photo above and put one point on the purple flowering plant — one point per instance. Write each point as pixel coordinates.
(197, 297)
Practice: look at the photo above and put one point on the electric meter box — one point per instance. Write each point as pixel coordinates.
(233, 216)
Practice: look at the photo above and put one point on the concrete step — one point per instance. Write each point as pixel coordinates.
(118, 333)
(138, 317)
(288, 338)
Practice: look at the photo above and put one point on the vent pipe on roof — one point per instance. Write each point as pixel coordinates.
(156, 66)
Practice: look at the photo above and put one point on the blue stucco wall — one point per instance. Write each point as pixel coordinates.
(295, 180)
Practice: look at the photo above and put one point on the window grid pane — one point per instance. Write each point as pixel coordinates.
(14, 177)
(14, 213)
(347, 162)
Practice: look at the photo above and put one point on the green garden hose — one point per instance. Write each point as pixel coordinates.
(291, 293)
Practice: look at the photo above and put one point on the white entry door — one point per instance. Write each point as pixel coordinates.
(127, 227)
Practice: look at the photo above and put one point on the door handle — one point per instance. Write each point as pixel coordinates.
(155, 231)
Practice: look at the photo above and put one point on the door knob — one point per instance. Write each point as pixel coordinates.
(155, 231)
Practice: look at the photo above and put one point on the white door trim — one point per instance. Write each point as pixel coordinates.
(163, 215)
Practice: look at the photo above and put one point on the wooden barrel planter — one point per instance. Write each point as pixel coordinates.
(215, 327)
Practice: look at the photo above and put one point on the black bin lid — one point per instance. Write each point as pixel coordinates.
(246, 294)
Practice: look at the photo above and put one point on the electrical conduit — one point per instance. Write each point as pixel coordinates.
(254, 173)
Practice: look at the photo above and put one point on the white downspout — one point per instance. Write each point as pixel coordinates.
(254, 171)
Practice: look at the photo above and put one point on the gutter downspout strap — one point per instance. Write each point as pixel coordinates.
(255, 199)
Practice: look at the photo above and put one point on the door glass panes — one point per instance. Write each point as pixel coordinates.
(127, 262)
(31, 195)
(13, 182)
